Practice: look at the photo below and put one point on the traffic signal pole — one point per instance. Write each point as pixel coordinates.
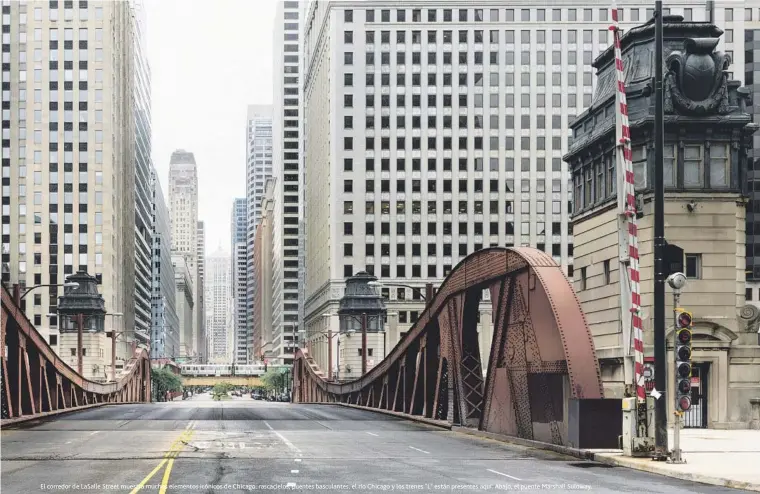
(676, 454)
(660, 351)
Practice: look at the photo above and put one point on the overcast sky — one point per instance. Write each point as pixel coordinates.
(209, 60)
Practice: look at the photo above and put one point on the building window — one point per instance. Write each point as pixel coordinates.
(693, 171)
(639, 159)
(719, 166)
(607, 272)
(583, 278)
(669, 165)
(748, 294)
(694, 266)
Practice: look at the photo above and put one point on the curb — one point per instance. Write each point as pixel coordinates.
(423, 420)
(654, 467)
(530, 443)
(620, 461)
(10, 423)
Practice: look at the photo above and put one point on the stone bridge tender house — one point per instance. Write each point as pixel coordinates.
(708, 131)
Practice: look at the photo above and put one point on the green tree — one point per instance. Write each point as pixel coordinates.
(165, 380)
(220, 390)
(274, 380)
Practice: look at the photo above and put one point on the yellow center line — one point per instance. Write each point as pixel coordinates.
(172, 453)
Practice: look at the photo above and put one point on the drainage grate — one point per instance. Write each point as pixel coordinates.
(590, 464)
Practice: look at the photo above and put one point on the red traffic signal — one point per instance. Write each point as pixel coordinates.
(684, 320)
(684, 403)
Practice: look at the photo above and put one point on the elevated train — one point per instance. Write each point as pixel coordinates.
(201, 370)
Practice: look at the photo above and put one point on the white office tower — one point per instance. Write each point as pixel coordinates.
(238, 227)
(287, 228)
(219, 307)
(183, 207)
(448, 122)
(68, 162)
(258, 159)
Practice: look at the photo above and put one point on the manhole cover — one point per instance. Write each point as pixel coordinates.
(588, 464)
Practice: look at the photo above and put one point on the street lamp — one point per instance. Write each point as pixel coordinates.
(113, 335)
(18, 296)
(81, 307)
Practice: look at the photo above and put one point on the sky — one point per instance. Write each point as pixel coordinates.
(209, 61)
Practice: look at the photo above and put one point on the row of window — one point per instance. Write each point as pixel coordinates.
(539, 228)
(495, 15)
(527, 36)
(447, 143)
(692, 270)
(526, 79)
(527, 100)
(697, 166)
(557, 58)
(432, 251)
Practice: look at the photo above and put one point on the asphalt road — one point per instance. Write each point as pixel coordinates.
(243, 445)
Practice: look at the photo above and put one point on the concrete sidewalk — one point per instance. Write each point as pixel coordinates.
(729, 458)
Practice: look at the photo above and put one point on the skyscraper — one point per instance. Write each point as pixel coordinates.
(68, 163)
(260, 341)
(258, 169)
(287, 220)
(238, 244)
(165, 329)
(183, 207)
(143, 169)
(219, 307)
(201, 338)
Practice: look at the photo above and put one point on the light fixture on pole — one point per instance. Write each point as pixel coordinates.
(113, 335)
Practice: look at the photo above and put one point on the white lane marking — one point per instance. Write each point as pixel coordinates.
(93, 433)
(298, 459)
(283, 438)
(68, 442)
(372, 434)
(420, 450)
(504, 474)
(294, 471)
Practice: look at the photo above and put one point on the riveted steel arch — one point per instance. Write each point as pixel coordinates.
(541, 352)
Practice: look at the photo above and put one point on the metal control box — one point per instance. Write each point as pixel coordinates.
(638, 428)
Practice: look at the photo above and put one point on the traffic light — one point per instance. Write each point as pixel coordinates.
(683, 359)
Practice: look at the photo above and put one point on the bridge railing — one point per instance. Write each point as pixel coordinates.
(37, 382)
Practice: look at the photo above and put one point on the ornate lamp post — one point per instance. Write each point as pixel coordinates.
(80, 309)
(361, 309)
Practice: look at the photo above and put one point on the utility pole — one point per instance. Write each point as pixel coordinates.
(364, 343)
(80, 330)
(660, 363)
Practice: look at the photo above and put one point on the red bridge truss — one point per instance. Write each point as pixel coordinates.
(36, 382)
(541, 354)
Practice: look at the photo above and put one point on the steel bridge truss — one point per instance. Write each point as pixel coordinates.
(541, 353)
(36, 382)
